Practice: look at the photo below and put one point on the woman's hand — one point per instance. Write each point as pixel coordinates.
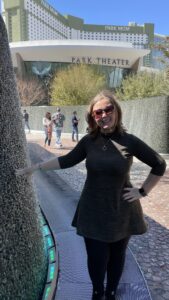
(26, 171)
(131, 194)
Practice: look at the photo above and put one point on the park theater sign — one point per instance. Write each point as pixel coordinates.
(115, 62)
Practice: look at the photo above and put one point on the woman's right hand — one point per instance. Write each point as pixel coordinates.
(25, 171)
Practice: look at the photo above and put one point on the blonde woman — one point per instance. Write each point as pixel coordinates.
(48, 124)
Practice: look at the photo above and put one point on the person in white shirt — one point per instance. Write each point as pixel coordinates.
(58, 119)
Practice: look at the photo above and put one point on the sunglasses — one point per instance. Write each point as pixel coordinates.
(97, 114)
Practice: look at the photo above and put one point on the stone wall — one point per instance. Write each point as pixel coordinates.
(23, 252)
(146, 118)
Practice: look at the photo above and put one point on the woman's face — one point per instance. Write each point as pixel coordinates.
(105, 115)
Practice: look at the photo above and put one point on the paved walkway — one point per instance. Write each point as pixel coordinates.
(151, 249)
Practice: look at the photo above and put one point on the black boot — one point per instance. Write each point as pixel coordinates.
(97, 296)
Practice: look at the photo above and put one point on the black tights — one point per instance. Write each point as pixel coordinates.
(105, 257)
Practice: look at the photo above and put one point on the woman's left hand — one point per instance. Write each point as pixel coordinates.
(131, 194)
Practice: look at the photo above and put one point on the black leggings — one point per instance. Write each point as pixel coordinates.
(47, 140)
(105, 257)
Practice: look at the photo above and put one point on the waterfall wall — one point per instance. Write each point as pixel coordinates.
(147, 118)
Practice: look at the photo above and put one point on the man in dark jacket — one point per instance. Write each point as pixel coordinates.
(75, 122)
(26, 119)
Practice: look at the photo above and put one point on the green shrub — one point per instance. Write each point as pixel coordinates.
(76, 85)
(143, 85)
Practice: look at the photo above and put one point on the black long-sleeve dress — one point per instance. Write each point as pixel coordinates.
(102, 214)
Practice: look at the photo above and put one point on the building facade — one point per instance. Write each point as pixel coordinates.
(30, 20)
(44, 58)
(37, 21)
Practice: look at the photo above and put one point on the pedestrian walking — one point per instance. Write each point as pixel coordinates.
(26, 119)
(48, 124)
(58, 120)
(75, 122)
(109, 211)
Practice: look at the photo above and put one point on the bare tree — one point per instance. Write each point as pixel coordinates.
(163, 51)
(22, 251)
(31, 91)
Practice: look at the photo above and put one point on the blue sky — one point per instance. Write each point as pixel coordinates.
(119, 12)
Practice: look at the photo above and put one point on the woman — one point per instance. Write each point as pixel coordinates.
(47, 123)
(109, 209)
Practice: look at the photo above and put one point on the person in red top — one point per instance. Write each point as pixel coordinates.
(48, 124)
(109, 209)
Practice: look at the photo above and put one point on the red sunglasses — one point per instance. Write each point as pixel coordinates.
(97, 114)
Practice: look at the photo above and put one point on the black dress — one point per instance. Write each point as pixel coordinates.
(101, 213)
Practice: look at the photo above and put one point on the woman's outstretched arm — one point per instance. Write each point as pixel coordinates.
(52, 164)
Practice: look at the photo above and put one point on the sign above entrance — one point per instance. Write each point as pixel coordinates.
(117, 28)
(105, 61)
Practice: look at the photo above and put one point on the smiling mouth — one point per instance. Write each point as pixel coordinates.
(105, 121)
